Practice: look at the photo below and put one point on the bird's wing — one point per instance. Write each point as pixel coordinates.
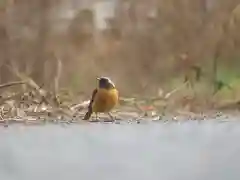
(89, 112)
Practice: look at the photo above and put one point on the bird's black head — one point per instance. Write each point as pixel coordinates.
(106, 83)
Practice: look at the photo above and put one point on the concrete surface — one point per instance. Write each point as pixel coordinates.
(192, 150)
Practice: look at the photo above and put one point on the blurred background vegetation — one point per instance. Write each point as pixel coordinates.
(144, 46)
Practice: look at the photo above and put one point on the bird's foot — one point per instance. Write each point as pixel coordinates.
(96, 119)
(112, 118)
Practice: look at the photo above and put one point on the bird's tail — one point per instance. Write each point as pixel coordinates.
(88, 114)
(90, 111)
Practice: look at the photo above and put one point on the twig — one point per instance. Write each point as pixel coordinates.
(80, 106)
(12, 84)
(13, 97)
(32, 84)
(168, 95)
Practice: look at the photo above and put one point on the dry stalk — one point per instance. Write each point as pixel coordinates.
(58, 76)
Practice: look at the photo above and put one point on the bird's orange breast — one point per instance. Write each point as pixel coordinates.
(105, 100)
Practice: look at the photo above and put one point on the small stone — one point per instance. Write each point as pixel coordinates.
(175, 118)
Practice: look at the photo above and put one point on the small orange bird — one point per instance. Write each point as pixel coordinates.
(104, 98)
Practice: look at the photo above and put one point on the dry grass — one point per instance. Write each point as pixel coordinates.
(148, 47)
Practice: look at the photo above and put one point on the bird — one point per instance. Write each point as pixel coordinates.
(104, 98)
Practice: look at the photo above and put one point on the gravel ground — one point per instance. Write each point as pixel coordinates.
(152, 150)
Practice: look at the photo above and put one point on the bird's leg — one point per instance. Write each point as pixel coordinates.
(96, 116)
(111, 116)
